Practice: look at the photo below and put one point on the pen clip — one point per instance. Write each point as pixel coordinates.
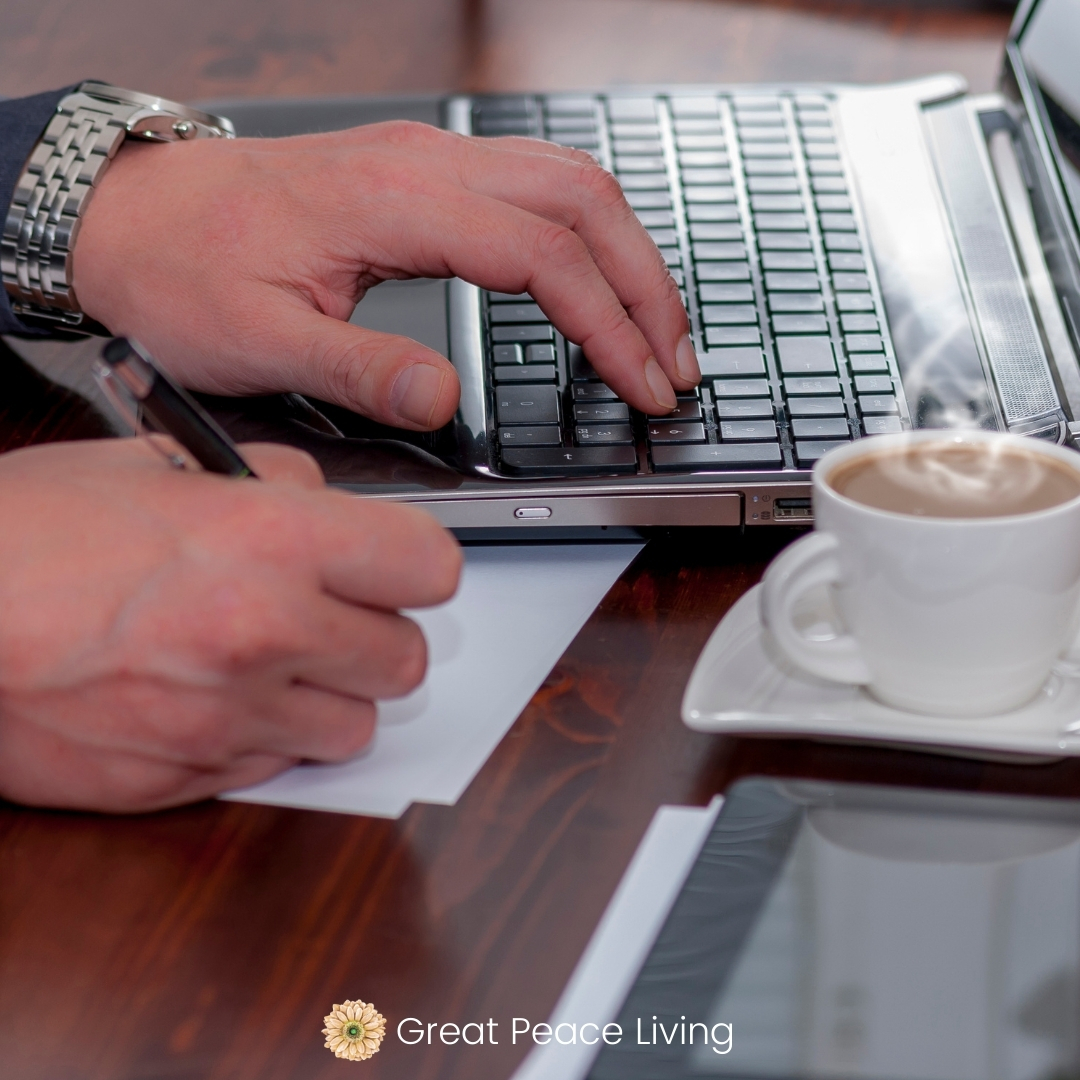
(130, 412)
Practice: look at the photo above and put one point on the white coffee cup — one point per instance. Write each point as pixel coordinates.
(939, 615)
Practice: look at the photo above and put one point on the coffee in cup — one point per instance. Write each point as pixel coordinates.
(953, 560)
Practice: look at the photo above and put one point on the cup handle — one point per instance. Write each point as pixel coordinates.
(806, 564)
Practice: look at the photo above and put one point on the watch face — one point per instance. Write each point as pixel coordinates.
(157, 104)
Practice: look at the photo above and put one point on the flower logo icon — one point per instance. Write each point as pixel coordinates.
(354, 1030)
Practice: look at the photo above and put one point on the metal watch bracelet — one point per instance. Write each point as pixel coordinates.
(58, 181)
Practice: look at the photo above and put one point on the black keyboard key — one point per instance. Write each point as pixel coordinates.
(825, 427)
(650, 181)
(848, 282)
(540, 354)
(838, 241)
(716, 457)
(527, 404)
(780, 222)
(656, 219)
(846, 261)
(788, 260)
(507, 354)
(747, 430)
(807, 452)
(822, 386)
(718, 271)
(804, 302)
(712, 212)
(536, 332)
(882, 425)
(665, 434)
(877, 404)
(858, 324)
(806, 355)
(822, 406)
(728, 314)
(649, 200)
(664, 237)
(837, 222)
(726, 294)
(590, 392)
(722, 336)
(832, 184)
(776, 203)
(727, 362)
(854, 301)
(605, 412)
(571, 122)
(706, 176)
(782, 281)
(740, 388)
(570, 460)
(745, 409)
(716, 230)
(546, 435)
(516, 313)
(719, 251)
(867, 362)
(704, 159)
(603, 435)
(709, 194)
(580, 368)
(783, 241)
(873, 384)
(859, 343)
(521, 373)
(772, 184)
(686, 410)
(800, 324)
(509, 298)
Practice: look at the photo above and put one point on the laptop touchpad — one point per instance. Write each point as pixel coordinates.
(416, 309)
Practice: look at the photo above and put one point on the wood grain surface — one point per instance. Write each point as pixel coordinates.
(210, 941)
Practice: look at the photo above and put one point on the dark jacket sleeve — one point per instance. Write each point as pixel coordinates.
(22, 120)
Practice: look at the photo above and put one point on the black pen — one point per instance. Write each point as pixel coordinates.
(171, 408)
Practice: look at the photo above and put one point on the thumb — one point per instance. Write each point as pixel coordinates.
(392, 379)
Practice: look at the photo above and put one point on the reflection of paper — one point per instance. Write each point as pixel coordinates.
(490, 649)
(622, 940)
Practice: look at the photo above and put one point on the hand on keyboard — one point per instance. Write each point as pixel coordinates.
(237, 263)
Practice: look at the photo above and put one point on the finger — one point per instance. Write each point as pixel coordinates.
(392, 379)
(582, 196)
(381, 554)
(499, 246)
(357, 651)
(318, 725)
(272, 461)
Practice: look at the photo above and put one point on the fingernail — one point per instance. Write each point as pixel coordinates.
(416, 393)
(686, 360)
(659, 385)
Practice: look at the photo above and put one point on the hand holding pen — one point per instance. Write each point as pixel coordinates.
(171, 409)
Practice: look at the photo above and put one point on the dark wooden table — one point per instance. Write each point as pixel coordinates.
(210, 941)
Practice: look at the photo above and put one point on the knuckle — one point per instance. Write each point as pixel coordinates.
(603, 187)
(556, 243)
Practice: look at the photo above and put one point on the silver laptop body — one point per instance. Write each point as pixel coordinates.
(854, 261)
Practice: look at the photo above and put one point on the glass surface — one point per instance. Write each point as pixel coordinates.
(1050, 47)
(903, 945)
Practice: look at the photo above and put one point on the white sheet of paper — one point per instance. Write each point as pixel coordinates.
(622, 940)
(490, 648)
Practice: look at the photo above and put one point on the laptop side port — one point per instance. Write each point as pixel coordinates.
(792, 510)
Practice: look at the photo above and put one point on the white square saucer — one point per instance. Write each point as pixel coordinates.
(740, 685)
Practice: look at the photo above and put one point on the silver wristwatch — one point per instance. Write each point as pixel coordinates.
(54, 190)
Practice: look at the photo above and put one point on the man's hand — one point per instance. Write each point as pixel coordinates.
(237, 262)
(166, 636)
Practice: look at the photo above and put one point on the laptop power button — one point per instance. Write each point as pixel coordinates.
(533, 512)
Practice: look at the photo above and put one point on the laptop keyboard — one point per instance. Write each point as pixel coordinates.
(748, 199)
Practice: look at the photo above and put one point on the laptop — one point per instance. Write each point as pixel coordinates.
(854, 260)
